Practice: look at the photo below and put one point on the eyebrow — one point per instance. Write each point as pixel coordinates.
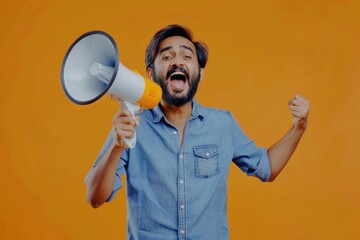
(169, 47)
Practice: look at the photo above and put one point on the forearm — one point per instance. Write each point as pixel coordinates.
(280, 152)
(101, 178)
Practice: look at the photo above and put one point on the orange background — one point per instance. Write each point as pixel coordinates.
(262, 52)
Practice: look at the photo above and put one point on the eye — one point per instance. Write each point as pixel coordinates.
(166, 57)
(187, 57)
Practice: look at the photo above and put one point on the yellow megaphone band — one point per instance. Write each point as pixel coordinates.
(151, 96)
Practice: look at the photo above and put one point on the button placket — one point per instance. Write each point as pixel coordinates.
(182, 186)
(181, 197)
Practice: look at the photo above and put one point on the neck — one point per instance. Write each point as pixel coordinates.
(177, 116)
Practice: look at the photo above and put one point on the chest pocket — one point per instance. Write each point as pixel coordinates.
(206, 160)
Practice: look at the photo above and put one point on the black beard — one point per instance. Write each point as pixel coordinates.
(178, 101)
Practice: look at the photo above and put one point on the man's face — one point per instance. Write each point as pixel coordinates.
(176, 70)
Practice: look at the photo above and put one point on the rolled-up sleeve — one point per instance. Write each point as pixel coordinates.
(252, 160)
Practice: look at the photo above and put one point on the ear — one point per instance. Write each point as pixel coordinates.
(150, 73)
(201, 73)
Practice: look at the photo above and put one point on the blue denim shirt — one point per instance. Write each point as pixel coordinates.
(179, 191)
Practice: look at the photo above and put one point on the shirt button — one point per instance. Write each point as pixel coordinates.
(181, 156)
(181, 181)
(207, 154)
(174, 132)
(182, 231)
(182, 206)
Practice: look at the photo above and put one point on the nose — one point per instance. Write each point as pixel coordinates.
(177, 61)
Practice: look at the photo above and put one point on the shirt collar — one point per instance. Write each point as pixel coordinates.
(197, 111)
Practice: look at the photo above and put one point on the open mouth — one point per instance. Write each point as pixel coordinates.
(178, 80)
(178, 76)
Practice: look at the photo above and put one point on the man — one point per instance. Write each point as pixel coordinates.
(177, 172)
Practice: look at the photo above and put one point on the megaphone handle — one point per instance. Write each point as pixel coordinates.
(130, 142)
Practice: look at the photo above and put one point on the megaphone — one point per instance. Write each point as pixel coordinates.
(92, 68)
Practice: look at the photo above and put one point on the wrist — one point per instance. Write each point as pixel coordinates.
(116, 146)
(300, 126)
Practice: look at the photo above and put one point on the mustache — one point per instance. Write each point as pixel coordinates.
(177, 69)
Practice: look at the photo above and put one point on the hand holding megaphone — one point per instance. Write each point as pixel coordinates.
(124, 127)
(92, 68)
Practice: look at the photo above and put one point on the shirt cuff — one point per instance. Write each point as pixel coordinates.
(263, 171)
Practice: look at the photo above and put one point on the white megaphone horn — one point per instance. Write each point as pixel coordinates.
(92, 68)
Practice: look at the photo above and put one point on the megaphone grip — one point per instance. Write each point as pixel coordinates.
(130, 142)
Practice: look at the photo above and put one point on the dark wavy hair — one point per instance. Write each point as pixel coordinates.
(170, 31)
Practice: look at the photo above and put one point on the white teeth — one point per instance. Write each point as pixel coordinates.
(178, 73)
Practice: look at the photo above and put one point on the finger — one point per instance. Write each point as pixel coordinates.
(297, 102)
(129, 121)
(124, 127)
(127, 134)
(300, 100)
(295, 108)
(124, 120)
(290, 105)
(123, 133)
(294, 102)
(127, 124)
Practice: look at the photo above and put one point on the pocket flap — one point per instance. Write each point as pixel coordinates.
(206, 151)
